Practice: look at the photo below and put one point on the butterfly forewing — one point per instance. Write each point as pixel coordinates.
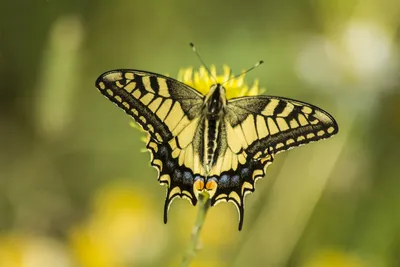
(275, 124)
(158, 103)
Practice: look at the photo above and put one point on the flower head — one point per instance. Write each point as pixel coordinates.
(202, 81)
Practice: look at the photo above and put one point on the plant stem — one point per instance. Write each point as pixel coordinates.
(193, 246)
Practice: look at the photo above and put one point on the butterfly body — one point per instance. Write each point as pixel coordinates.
(207, 142)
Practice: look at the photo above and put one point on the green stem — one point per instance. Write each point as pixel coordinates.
(193, 246)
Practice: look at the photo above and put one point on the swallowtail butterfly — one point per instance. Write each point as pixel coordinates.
(206, 142)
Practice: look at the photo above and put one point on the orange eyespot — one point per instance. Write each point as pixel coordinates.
(198, 185)
(211, 185)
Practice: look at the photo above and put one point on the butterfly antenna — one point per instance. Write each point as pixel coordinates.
(252, 68)
(202, 62)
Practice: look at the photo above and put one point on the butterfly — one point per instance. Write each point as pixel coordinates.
(207, 142)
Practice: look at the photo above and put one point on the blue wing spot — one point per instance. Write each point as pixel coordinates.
(163, 152)
(187, 177)
(177, 175)
(244, 173)
(235, 180)
(224, 181)
(170, 165)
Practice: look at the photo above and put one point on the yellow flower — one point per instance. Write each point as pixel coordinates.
(202, 81)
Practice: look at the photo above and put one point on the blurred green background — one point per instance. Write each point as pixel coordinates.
(76, 189)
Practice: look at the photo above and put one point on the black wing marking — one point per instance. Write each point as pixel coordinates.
(179, 179)
(234, 185)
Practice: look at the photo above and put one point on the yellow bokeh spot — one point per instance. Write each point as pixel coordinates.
(333, 258)
(19, 249)
(11, 251)
(122, 227)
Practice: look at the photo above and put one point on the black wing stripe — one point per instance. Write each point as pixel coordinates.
(279, 108)
(154, 84)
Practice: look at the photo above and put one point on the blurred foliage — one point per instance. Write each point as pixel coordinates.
(75, 190)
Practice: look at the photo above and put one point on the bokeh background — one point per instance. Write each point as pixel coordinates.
(76, 188)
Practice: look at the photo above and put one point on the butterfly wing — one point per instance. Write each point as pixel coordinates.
(169, 111)
(156, 102)
(256, 129)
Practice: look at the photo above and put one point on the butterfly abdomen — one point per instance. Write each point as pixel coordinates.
(211, 131)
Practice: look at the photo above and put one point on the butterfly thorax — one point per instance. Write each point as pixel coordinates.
(215, 101)
(214, 106)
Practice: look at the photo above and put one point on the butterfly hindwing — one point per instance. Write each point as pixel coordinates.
(234, 184)
(178, 178)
